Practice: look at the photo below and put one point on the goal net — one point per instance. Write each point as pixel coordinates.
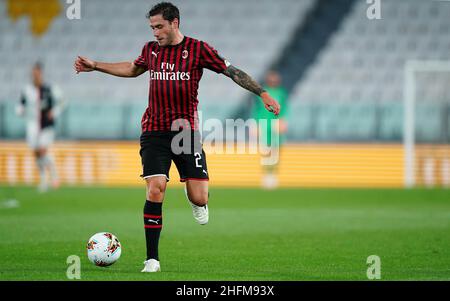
(426, 135)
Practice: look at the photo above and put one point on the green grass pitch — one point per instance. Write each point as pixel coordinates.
(287, 234)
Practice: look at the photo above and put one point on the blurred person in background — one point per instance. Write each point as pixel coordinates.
(272, 135)
(40, 103)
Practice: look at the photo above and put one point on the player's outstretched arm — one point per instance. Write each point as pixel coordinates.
(245, 81)
(124, 69)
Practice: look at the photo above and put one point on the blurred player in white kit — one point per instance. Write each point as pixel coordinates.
(40, 103)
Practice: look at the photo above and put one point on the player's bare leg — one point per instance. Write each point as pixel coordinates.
(197, 195)
(39, 155)
(156, 188)
(51, 167)
(46, 163)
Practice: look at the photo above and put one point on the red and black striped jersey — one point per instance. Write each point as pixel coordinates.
(175, 72)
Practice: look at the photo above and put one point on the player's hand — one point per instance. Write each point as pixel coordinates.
(282, 126)
(83, 64)
(270, 104)
(50, 115)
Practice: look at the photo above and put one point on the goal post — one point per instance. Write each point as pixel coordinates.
(412, 68)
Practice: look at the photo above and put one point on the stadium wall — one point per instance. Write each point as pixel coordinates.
(301, 165)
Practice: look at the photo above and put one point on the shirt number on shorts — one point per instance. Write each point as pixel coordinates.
(198, 157)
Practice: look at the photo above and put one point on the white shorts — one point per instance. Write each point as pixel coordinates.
(40, 138)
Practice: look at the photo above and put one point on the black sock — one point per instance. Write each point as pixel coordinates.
(153, 226)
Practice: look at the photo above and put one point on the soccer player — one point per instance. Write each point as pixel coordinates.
(175, 63)
(272, 135)
(40, 104)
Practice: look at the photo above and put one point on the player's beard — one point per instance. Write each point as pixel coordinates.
(166, 41)
(163, 42)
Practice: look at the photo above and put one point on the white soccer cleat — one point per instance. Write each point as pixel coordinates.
(200, 213)
(270, 182)
(43, 187)
(151, 265)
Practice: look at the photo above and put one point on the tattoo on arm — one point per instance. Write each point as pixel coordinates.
(244, 80)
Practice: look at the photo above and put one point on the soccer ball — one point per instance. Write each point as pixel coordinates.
(103, 249)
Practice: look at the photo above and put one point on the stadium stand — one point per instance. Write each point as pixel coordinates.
(344, 71)
(359, 74)
(112, 31)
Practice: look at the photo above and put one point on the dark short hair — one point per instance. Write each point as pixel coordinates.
(168, 11)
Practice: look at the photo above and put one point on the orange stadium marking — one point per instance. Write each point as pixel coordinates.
(42, 13)
(301, 165)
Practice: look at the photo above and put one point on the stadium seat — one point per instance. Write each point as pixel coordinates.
(364, 61)
(86, 121)
(12, 125)
(123, 36)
